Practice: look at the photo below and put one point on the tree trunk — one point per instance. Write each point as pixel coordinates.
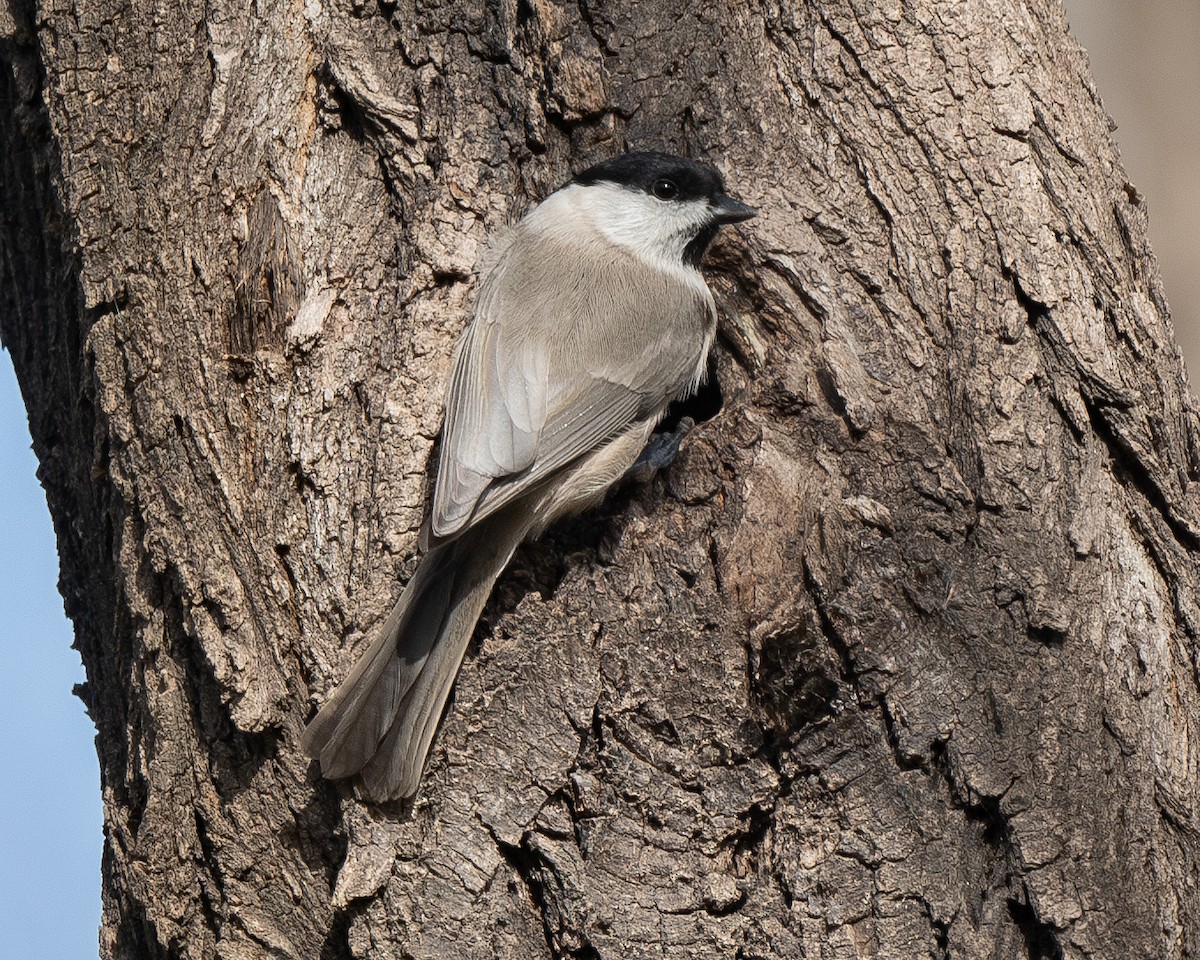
(897, 660)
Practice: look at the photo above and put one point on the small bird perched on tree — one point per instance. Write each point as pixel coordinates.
(592, 317)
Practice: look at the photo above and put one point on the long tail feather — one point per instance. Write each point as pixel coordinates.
(380, 722)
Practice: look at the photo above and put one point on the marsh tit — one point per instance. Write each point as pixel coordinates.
(592, 317)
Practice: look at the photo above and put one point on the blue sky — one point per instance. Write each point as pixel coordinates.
(50, 819)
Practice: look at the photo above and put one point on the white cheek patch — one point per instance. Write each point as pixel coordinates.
(655, 231)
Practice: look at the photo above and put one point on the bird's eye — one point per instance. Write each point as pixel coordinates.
(665, 189)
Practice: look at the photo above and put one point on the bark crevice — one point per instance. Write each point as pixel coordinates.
(887, 662)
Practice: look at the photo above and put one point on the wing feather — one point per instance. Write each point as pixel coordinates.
(531, 392)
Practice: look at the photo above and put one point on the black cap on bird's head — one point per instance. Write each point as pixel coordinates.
(669, 178)
(673, 179)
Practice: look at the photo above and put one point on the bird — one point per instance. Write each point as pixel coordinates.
(591, 318)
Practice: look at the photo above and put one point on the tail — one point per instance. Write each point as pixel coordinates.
(381, 720)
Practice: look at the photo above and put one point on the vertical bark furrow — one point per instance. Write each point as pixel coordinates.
(897, 660)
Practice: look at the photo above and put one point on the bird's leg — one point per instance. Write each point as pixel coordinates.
(659, 452)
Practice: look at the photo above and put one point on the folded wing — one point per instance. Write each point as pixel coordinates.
(536, 385)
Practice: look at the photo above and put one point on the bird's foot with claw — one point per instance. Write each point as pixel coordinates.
(659, 453)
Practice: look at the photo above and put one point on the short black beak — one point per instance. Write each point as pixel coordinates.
(727, 210)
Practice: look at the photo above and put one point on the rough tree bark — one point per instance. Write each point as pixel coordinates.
(897, 660)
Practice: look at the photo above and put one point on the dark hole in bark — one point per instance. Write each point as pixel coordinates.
(702, 405)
